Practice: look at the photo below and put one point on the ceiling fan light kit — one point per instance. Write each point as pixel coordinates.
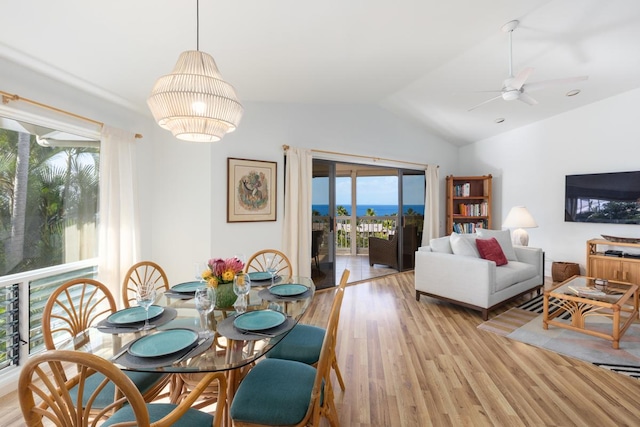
(515, 87)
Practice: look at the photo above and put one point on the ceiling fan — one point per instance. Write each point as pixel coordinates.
(515, 87)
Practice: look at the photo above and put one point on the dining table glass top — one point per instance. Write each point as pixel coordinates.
(178, 343)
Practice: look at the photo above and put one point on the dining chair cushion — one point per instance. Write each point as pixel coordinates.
(144, 381)
(192, 418)
(274, 392)
(302, 343)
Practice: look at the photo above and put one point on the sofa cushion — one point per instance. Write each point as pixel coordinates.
(490, 249)
(464, 244)
(441, 244)
(503, 237)
(512, 273)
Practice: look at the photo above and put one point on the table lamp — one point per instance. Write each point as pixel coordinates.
(519, 218)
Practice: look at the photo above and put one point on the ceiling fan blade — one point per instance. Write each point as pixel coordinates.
(546, 83)
(485, 102)
(527, 99)
(522, 77)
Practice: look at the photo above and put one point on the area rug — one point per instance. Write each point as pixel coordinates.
(524, 324)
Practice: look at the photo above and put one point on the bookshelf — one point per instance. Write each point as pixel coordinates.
(468, 203)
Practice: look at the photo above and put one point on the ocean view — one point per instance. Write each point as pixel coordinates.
(380, 210)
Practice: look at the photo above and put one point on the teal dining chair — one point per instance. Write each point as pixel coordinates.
(304, 342)
(73, 308)
(279, 392)
(46, 395)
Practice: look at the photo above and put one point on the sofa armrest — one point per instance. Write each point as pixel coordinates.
(533, 256)
(460, 278)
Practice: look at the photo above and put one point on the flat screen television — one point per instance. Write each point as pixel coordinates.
(603, 198)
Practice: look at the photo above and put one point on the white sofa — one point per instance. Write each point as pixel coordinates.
(448, 269)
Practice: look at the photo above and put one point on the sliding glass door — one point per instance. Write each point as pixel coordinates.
(353, 203)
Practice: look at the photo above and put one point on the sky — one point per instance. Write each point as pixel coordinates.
(375, 190)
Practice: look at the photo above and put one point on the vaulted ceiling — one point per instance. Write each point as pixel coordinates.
(424, 60)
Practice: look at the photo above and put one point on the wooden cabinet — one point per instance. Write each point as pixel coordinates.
(603, 266)
(468, 203)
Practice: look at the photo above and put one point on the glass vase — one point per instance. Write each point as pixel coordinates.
(225, 297)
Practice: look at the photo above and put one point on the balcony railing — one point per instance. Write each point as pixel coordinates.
(365, 227)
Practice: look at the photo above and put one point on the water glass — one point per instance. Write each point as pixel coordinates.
(241, 287)
(145, 297)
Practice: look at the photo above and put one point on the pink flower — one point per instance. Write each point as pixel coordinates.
(225, 269)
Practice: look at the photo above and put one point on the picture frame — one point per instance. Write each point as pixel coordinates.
(251, 190)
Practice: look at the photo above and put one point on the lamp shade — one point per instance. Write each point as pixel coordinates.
(194, 102)
(519, 217)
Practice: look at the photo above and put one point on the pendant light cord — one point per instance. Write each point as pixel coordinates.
(198, 25)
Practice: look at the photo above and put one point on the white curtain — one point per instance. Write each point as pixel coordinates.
(297, 210)
(119, 246)
(431, 205)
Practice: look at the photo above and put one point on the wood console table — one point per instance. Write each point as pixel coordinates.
(609, 267)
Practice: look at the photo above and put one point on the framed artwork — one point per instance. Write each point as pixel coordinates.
(251, 190)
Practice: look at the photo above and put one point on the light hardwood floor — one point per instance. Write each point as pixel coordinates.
(409, 363)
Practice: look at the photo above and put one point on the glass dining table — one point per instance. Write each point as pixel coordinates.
(178, 344)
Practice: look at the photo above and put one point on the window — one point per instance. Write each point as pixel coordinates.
(49, 187)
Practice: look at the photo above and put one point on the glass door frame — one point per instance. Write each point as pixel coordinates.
(408, 244)
(324, 226)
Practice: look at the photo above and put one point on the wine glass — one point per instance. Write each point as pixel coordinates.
(199, 267)
(146, 296)
(241, 287)
(205, 300)
(271, 267)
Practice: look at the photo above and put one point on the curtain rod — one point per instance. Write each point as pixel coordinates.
(375, 159)
(8, 97)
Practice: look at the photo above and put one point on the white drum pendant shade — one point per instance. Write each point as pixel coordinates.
(194, 102)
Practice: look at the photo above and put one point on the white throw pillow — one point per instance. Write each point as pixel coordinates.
(441, 244)
(464, 244)
(504, 239)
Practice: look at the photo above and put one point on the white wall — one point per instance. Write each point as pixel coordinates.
(182, 186)
(189, 214)
(529, 167)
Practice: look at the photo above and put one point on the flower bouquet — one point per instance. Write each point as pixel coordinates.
(219, 275)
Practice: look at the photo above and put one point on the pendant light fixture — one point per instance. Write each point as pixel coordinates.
(194, 102)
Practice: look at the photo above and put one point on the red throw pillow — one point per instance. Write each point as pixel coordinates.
(490, 249)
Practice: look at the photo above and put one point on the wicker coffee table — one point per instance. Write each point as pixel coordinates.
(620, 304)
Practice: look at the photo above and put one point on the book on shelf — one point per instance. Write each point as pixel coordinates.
(462, 190)
(585, 290)
(468, 227)
(473, 209)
